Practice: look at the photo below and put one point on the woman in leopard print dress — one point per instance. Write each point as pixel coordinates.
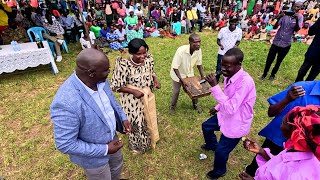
(137, 70)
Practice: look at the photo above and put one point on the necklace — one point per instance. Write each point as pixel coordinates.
(134, 63)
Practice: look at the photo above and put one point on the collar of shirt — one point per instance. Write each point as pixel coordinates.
(89, 90)
(188, 51)
(233, 78)
(296, 156)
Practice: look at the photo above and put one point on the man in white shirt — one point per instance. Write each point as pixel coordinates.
(228, 37)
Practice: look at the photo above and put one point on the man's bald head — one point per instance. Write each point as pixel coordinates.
(92, 66)
(89, 58)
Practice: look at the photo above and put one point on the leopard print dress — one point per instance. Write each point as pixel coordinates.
(125, 73)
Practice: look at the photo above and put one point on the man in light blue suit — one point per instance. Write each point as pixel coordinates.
(86, 115)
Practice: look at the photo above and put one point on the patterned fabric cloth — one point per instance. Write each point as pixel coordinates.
(126, 73)
(113, 44)
(305, 136)
(131, 34)
(55, 27)
(19, 34)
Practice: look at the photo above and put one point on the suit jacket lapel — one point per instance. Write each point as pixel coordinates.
(88, 99)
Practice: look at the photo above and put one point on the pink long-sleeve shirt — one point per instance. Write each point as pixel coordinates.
(288, 165)
(235, 104)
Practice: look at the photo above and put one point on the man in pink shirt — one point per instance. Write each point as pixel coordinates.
(234, 112)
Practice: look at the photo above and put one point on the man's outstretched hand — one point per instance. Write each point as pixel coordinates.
(211, 79)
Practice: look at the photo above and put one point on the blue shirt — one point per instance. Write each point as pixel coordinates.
(102, 100)
(272, 130)
(104, 32)
(284, 35)
(67, 22)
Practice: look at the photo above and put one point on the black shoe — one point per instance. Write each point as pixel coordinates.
(211, 175)
(206, 148)
(271, 78)
(262, 77)
(172, 110)
(200, 30)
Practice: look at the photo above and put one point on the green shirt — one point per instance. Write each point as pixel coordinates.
(95, 30)
(132, 20)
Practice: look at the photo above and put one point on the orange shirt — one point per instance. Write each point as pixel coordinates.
(303, 31)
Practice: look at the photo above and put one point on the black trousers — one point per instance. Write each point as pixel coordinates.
(274, 149)
(198, 21)
(308, 63)
(274, 50)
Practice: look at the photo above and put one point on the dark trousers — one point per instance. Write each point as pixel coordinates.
(274, 149)
(307, 64)
(274, 50)
(176, 86)
(218, 67)
(198, 21)
(70, 34)
(222, 148)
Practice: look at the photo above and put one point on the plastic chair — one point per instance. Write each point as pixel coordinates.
(156, 24)
(38, 31)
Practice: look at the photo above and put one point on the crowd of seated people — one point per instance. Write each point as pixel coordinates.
(114, 23)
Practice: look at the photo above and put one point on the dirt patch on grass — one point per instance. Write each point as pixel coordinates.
(15, 124)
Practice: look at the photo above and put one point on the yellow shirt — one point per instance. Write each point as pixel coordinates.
(184, 62)
(192, 14)
(314, 12)
(3, 14)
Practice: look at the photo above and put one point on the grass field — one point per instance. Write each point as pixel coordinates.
(27, 149)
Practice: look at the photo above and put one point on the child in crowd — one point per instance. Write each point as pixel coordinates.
(302, 34)
(256, 34)
(263, 33)
(254, 27)
(208, 21)
(244, 24)
(248, 34)
(87, 40)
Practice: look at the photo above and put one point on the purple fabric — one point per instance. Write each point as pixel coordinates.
(284, 35)
(156, 14)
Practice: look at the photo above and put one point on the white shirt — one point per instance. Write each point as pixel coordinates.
(161, 3)
(228, 39)
(221, 16)
(138, 13)
(84, 43)
(195, 8)
(120, 34)
(243, 14)
(91, 36)
(103, 102)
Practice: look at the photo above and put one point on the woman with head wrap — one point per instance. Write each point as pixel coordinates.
(300, 158)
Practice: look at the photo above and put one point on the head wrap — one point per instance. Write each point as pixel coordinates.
(305, 136)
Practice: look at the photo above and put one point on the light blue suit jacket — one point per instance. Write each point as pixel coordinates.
(79, 126)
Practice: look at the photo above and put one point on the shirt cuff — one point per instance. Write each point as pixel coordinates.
(107, 148)
(215, 90)
(217, 107)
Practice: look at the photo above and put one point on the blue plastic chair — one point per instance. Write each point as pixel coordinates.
(37, 31)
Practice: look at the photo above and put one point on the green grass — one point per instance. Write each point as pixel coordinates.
(27, 149)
